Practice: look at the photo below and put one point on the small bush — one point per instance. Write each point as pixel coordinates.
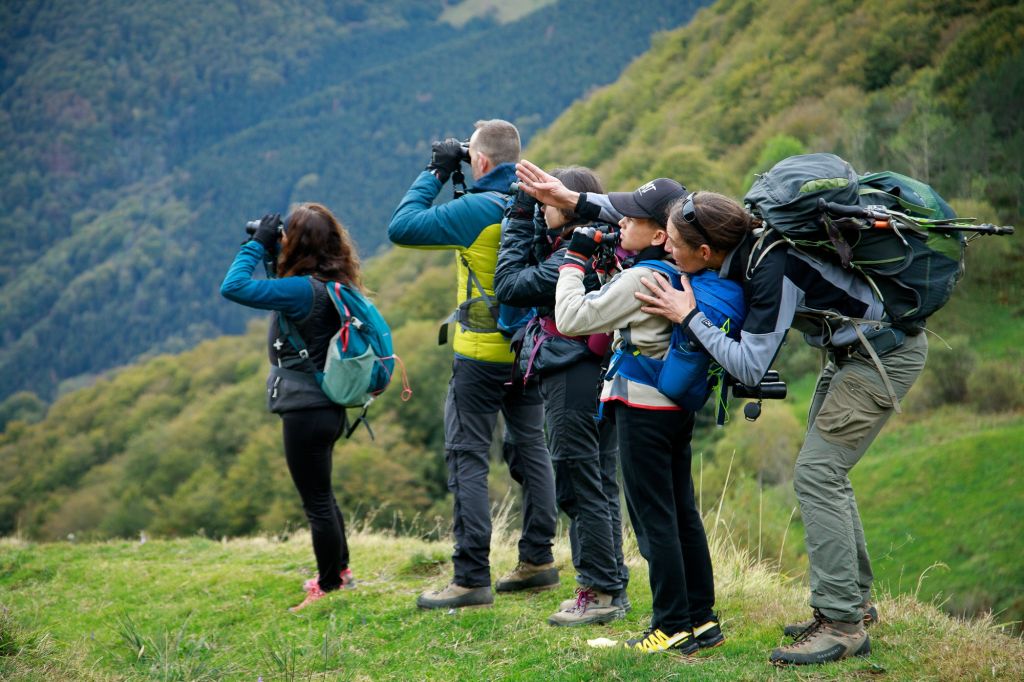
(996, 386)
(424, 564)
(945, 376)
(8, 634)
(765, 449)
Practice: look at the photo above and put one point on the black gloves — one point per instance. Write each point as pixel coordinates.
(581, 248)
(522, 207)
(445, 158)
(269, 232)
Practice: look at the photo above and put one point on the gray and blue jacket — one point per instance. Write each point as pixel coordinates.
(785, 288)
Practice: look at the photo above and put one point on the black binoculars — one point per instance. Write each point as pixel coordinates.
(253, 225)
(770, 388)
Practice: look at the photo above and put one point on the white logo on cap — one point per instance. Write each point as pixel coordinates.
(650, 186)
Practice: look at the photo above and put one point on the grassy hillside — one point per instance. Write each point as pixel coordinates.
(202, 610)
(941, 501)
(920, 87)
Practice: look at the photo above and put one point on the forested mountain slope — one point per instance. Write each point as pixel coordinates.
(138, 139)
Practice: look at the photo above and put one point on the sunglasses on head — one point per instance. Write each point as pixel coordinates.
(689, 213)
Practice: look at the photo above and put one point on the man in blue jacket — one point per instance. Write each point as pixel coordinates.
(471, 227)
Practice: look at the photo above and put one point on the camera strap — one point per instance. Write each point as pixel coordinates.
(458, 183)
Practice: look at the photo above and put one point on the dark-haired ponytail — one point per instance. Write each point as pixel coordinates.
(723, 221)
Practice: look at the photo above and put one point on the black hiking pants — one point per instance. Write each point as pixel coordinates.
(654, 452)
(476, 394)
(309, 437)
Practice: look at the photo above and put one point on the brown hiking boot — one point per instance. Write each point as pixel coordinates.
(589, 607)
(455, 596)
(527, 576)
(622, 601)
(824, 641)
(870, 618)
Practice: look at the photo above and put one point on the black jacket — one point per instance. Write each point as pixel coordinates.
(526, 276)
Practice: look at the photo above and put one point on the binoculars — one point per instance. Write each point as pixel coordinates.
(770, 388)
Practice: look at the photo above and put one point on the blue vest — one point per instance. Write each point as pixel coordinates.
(686, 375)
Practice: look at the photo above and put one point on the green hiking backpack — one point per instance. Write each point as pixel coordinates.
(918, 279)
(895, 231)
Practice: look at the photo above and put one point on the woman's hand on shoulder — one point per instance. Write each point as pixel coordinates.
(665, 300)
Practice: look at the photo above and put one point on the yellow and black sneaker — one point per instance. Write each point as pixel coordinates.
(654, 640)
(709, 635)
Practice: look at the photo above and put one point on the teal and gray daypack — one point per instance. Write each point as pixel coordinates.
(895, 231)
(360, 357)
(686, 375)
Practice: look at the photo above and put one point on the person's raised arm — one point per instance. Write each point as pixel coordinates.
(519, 279)
(549, 190)
(544, 187)
(578, 312)
(292, 296)
(417, 223)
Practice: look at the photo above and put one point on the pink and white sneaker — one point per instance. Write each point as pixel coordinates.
(347, 581)
(313, 594)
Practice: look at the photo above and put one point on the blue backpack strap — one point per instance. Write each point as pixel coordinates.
(627, 359)
(632, 364)
(497, 198)
(660, 266)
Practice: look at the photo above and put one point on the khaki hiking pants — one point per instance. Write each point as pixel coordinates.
(849, 407)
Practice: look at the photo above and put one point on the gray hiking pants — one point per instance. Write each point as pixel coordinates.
(584, 454)
(849, 407)
(476, 393)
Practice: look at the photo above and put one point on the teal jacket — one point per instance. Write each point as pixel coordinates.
(470, 226)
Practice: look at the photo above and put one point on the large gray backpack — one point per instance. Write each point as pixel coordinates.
(894, 231)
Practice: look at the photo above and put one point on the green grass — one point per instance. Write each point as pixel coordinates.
(946, 492)
(197, 609)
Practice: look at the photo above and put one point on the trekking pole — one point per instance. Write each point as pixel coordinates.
(984, 228)
(882, 218)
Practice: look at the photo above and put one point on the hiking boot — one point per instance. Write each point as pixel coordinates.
(709, 634)
(527, 576)
(622, 601)
(347, 581)
(654, 640)
(589, 607)
(870, 618)
(455, 597)
(824, 641)
(312, 595)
